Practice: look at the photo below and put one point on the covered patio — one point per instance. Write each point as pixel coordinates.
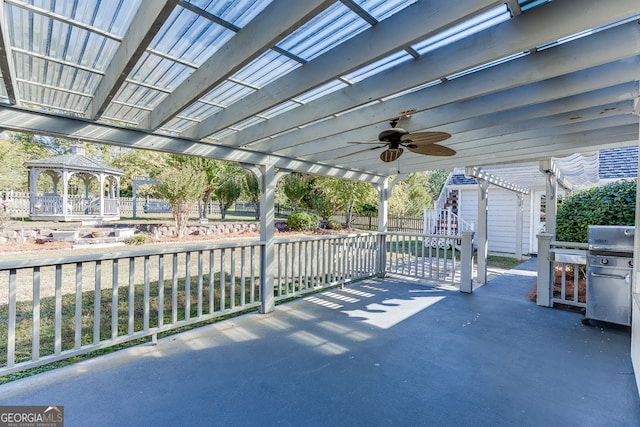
(379, 352)
(285, 85)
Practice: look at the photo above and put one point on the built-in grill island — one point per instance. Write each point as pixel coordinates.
(609, 273)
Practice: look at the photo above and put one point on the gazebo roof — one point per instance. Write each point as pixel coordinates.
(74, 161)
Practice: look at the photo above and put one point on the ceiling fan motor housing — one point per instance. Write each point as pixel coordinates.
(392, 135)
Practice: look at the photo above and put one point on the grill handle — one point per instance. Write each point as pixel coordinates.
(610, 276)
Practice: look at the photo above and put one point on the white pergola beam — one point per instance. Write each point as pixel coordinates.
(508, 38)
(273, 24)
(40, 123)
(562, 60)
(418, 21)
(6, 60)
(479, 173)
(145, 25)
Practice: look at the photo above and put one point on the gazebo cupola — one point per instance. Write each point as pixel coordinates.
(73, 187)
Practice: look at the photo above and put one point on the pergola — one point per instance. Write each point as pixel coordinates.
(284, 85)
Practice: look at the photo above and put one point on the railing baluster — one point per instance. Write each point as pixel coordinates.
(58, 311)
(174, 289)
(160, 290)
(35, 310)
(200, 284)
(243, 284)
(252, 291)
(187, 286)
(212, 278)
(132, 295)
(232, 285)
(78, 312)
(114, 299)
(11, 323)
(97, 302)
(145, 320)
(223, 283)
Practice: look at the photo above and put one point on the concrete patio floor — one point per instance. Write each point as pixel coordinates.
(379, 352)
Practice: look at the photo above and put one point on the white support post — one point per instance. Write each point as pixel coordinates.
(519, 224)
(466, 262)
(545, 271)
(383, 217)
(635, 290)
(551, 205)
(483, 244)
(267, 234)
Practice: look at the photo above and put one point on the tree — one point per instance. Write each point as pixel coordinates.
(139, 163)
(252, 188)
(181, 185)
(347, 194)
(227, 193)
(295, 186)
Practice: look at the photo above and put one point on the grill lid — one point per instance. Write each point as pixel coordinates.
(610, 238)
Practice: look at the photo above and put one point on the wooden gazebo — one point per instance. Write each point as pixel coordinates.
(80, 188)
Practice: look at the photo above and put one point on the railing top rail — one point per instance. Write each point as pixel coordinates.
(43, 262)
(326, 237)
(569, 245)
(440, 236)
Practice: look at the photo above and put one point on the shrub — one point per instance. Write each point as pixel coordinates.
(612, 204)
(303, 221)
(137, 239)
(334, 225)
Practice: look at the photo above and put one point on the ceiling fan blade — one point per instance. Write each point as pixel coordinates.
(425, 137)
(366, 142)
(391, 154)
(431, 149)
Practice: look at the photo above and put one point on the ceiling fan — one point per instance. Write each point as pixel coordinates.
(396, 138)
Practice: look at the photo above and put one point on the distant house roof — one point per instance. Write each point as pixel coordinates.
(619, 163)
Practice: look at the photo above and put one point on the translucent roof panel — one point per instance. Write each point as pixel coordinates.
(178, 124)
(266, 68)
(190, 37)
(111, 16)
(464, 29)
(279, 109)
(124, 113)
(321, 91)
(378, 66)
(200, 110)
(52, 38)
(161, 72)
(236, 12)
(227, 93)
(131, 93)
(328, 29)
(381, 9)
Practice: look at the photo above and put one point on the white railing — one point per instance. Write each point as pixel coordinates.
(561, 273)
(444, 221)
(58, 308)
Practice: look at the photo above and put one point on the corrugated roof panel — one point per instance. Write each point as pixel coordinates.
(178, 125)
(248, 122)
(266, 68)
(161, 72)
(131, 93)
(236, 12)
(328, 29)
(382, 9)
(125, 114)
(222, 134)
(200, 111)
(190, 37)
(321, 91)
(279, 109)
(464, 29)
(227, 93)
(378, 66)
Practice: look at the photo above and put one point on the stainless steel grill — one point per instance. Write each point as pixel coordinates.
(609, 273)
